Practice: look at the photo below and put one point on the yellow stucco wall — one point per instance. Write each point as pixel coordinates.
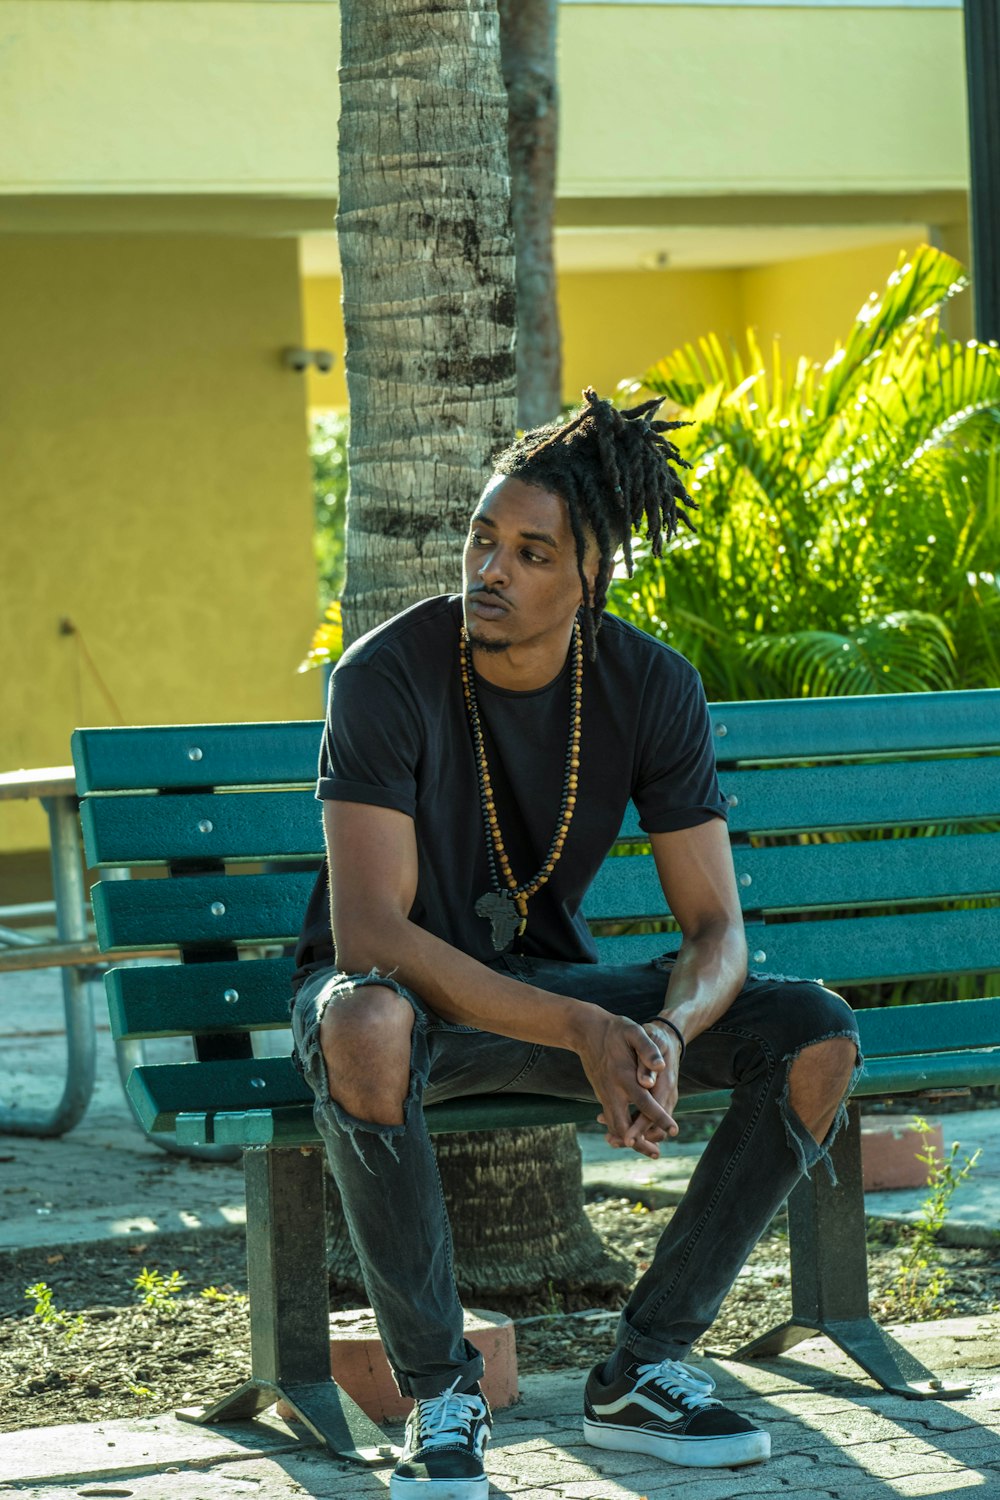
(240, 96)
(615, 324)
(155, 491)
(709, 99)
(323, 324)
(810, 303)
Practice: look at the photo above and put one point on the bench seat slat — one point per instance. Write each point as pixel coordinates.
(854, 950)
(196, 755)
(158, 1000)
(218, 1090)
(151, 830)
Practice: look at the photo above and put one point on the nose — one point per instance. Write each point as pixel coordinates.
(493, 569)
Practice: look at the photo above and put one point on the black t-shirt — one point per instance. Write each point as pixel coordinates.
(397, 735)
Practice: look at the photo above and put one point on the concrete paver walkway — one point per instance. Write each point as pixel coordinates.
(832, 1436)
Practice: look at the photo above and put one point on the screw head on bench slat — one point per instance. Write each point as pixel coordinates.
(258, 1083)
(733, 800)
(205, 826)
(746, 879)
(194, 753)
(230, 996)
(721, 731)
(218, 909)
(759, 956)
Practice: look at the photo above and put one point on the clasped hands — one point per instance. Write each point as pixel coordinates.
(634, 1072)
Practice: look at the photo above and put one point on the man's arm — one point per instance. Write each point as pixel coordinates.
(372, 853)
(695, 866)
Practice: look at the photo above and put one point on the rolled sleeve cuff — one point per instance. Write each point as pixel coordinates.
(688, 817)
(329, 789)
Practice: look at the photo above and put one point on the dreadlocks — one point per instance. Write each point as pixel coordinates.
(613, 469)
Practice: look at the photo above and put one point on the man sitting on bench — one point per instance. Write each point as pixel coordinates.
(478, 757)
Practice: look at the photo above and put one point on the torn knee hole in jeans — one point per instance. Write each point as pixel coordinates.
(350, 1125)
(807, 1150)
(388, 1135)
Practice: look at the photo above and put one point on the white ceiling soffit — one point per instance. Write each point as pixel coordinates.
(675, 249)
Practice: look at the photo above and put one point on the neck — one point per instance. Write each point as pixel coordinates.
(526, 666)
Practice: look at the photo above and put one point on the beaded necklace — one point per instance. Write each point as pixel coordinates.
(505, 907)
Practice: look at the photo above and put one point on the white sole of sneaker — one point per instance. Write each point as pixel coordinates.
(688, 1452)
(438, 1489)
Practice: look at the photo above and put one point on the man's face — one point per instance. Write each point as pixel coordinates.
(521, 580)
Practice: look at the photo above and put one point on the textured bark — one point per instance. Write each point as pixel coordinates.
(427, 252)
(515, 1200)
(427, 255)
(528, 55)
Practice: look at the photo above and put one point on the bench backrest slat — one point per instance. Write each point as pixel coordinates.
(804, 876)
(195, 999)
(908, 946)
(201, 910)
(152, 830)
(147, 829)
(827, 728)
(196, 755)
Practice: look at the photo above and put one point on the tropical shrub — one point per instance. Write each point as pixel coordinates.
(328, 456)
(849, 526)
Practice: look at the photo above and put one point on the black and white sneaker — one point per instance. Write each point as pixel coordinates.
(442, 1457)
(667, 1410)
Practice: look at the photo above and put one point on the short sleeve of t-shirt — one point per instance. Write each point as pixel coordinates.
(676, 785)
(370, 749)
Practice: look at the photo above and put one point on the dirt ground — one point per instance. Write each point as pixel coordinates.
(103, 1353)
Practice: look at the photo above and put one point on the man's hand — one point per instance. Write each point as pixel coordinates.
(664, 1089)
(626, 1068)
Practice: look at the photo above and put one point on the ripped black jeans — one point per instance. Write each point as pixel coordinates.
(391, 1192)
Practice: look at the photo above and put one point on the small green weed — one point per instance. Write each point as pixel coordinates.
(222, 1294)
(48, 1314)
(158, 1290)
(921, 1283)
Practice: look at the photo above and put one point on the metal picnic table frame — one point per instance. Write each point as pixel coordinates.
(55, 788)
(80, 960)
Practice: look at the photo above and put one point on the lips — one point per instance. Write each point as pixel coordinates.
(488, 606)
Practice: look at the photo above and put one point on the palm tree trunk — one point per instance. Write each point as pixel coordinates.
(528, 55)
(427, 256)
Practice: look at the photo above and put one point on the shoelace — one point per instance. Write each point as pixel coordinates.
(693, 1387)
(447, 1418)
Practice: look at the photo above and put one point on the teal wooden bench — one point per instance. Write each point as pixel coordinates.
(865, 836)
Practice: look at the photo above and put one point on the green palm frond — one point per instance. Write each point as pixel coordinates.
(903, 652)
(849, 531)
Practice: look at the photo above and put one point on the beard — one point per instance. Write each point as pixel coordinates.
(488, 647)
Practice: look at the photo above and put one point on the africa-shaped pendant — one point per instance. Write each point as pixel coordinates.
(506, 922)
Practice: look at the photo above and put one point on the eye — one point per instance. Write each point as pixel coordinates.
(533, 557)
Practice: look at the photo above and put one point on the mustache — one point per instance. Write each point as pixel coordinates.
(484, 588)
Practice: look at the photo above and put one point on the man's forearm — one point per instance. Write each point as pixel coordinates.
(708, 974)
(461, 989)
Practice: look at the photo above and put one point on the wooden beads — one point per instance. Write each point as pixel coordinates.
(495, 850)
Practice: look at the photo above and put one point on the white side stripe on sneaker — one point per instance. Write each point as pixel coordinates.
(636, 1398)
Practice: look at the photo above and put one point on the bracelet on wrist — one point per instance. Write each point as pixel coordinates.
(662, 1021)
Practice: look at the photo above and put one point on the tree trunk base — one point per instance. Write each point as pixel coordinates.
(515, 1201)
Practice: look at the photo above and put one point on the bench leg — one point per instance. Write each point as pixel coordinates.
(290, 1309)
(826, 1232)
